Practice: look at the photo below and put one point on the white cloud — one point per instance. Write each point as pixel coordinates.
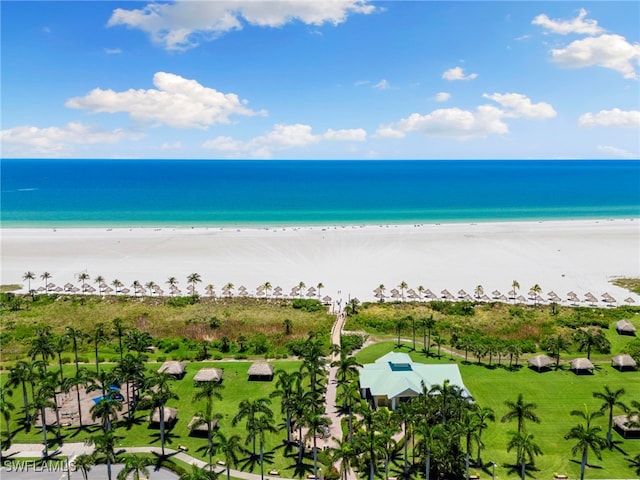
(442, 96)
(56, 140)
(112, 51)
(518, 105)
(611, 118)
(465, 124)
(360, 83)
(608, 51)
(176, 102)
(172, 146)
(615, 151)
(282, 137)
(182, 24)
(382, 85)
(457, 73)
(578, 24)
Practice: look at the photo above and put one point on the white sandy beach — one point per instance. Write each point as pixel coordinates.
(351, 261)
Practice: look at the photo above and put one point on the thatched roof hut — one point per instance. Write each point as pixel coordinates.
(540, 362)
(176, 369)
(627, 426)
(198, 427)
(625, 327)
(170, 416)
(582, 365)
(208, 375)
(261, 371)
(622, 361)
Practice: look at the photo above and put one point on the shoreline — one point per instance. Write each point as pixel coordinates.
(350, 260)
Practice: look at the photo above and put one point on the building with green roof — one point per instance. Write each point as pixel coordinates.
(395, 378)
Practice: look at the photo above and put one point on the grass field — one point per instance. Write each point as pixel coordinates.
(556, 394)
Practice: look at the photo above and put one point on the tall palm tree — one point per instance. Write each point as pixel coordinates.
(48, 386)
(229, 448)
(320, 286)
(42, 345)
(259, 427)
(99, 281)
(344, 454)
(266, 286)
(45, 278)
(208, 391)
(470, 425)
(131, 370)
(555, 345)
(84, 463)
(483, 414)
(107, 411)
(314, 422)
(119, 329)
(21, 374)
(172, 282)
(160, 393)
(587, 438)
(515, 286)
(286, 386)
(229, 288)
(99, 336)
(150, 286)
(301, 287)
(525, 447)
(249, 410)
(193, 279)
(521, 411)
(137, 286)
(429, 435)
(28, 276)
(401, 323)
(41, 401)
(479, 291)
(84, 276)
(104, 444)
(117, 285)
(403, 286)
(6, 407)
(610, 400)
(427, 324)
(76, 336)
(60, 343)
(135, 465)
(81, 378)
(536, 289)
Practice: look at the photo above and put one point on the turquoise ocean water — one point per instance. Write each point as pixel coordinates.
(59, 193)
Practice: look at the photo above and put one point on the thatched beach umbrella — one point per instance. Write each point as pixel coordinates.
(462, 293)
(170, 415)
(429, 294)
(197, 424)
(326, 300)
(521, 299)
(496, 294)
(625, 327)
(125, 290)
(629, 300)
(512, 294)
(173, 368)
(261, 371)
(68, 286)
(58, 289)
(485, 298)
(581, 364)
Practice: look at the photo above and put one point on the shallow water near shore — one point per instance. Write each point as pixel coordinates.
(85, 193)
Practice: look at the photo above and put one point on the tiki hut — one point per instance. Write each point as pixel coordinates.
(625, 327)
(261, 372)
(170, 417)
(623, 361)
(627, 426)
(198, 427)
(582, 365)
(173, 368)
(208, 375)
(540, 363)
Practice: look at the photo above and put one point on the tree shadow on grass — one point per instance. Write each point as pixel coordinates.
(517, 469)
(169, 438)
(84, 429)
(253, 460)
(588, 465)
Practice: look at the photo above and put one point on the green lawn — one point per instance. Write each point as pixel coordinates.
(556, 394)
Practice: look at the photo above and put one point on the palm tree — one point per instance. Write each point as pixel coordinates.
(249, 410)
(258, 427)
(403, 286)
(344, 453)
(104, 444)
(483, 414)
(469, 424)
(229, 289)
(99, 280)
(525, 448)
(401, 323)
(172, 282)
(28, 276)
(439, 341)
(81, 378)
(198, 473)
(60, 342)
(428, 439)
(610, 400)
(521, 411)
(76, 336)
(479, 291)
(427, 325)
(6, 407)
(210, 289)
(229, 447)
(45, 277)
(137, 286)
(48, 385)
(314, 423)
(320, 286)
(117, 285)
(84, 276)
(266, 286)
(301, 287)
(536, 289)
(42, 345)
(119, 329)
(107, 411)
(159, 394)
(84, 463)
(150, 286)
(286, 386)
(99, 336)
(287, 324)
(587, 438)
(41, 401)
(21, 374)
(193, 279)
(515, 286)
(555, 345)
(137, 466)
(208, 391)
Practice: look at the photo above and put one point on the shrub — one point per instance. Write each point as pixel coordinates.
(308, 305)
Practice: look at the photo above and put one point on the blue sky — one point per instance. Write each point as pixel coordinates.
(320, 79)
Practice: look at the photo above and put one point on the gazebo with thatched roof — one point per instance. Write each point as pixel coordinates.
(198, 427)
(627, 426)
(623, 361)
(540, 362)
(208, 375)
(170, 417)
(582, 365)
(261, 371)
(625, 327)
(173, 368)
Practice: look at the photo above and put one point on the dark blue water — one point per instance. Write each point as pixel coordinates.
(186, 192)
